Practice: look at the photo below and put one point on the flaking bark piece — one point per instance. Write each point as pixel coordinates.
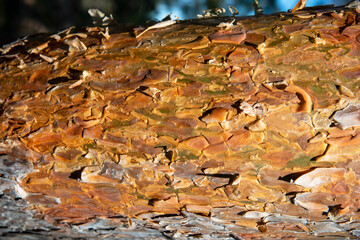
(158, 25)
(75, 45)
(217, 115)
(320, 176)
(305, 104)
(300, 5)
(348, 117)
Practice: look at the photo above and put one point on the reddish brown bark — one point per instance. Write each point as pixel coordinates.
(244, 129)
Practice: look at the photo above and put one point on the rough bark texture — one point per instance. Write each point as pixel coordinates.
(208, 128)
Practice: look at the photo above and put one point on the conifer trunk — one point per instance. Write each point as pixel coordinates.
(221, 127)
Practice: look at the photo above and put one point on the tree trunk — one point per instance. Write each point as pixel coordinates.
(219, 127)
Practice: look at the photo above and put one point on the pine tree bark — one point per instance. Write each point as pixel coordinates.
(219, 127)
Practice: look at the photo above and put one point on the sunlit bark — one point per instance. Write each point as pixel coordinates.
(247, 127)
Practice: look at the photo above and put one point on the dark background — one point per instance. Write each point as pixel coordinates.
(19, 18)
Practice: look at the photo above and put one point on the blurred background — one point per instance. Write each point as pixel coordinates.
(19, 18)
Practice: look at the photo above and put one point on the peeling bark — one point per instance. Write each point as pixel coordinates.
(206, 128)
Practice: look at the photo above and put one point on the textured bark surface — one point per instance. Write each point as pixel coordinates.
(208, 128)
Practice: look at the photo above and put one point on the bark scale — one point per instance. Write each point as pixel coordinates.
(241, 127)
